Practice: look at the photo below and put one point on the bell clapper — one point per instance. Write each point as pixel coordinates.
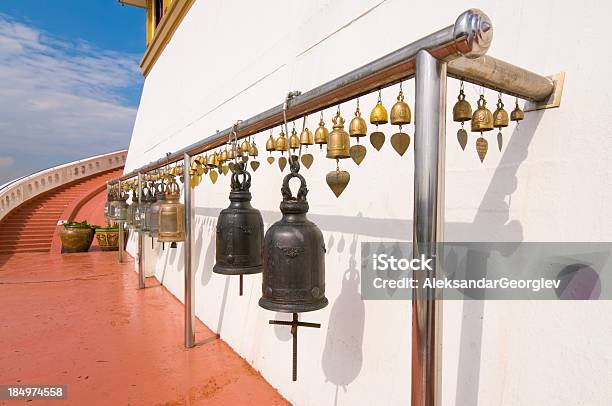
(295, 323)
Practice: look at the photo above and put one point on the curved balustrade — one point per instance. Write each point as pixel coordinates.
(19, 191)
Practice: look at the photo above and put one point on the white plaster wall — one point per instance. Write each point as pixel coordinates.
(232, 59)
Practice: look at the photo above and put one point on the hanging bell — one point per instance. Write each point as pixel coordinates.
(482, 119)
(270, 144)
(109, 198)
(172, 216)
(379, 114)
(321, 133)
(294, 140)
(240, 230)
(293, 256)
(339, 142)
(517, 114)
(146, 201)
(281, 142)
(358, 127)
(152, 217)
(118, 207)
(306, 137)
(400, 112)
(253, 150)
(462, 111)
(500, 116)
(211, 161)
(130, 221)
(224, 156)
(245, 146)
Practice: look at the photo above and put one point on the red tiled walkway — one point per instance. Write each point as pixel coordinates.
(79, 320)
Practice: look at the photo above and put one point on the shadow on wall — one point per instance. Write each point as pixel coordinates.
(342, 358)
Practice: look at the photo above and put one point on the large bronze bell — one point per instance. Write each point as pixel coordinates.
(482, 119)
(148, 198)
(321, 133)
(153, 213)
(400, 112)
(240, 230)
(118, 207)
(462, 111)
(339, 141)
(171, 216)
(293, 261)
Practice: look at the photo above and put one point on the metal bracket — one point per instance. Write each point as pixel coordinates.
(554, 100)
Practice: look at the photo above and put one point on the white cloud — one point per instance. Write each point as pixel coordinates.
(60, 100)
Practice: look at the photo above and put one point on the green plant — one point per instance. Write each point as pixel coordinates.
(78, 224)
(106, 228)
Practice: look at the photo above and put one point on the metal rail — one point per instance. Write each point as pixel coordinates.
(462, 45)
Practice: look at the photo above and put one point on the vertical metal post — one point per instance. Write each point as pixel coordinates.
(121, 243)
(141, 273)
(189, 288)
(429, 144)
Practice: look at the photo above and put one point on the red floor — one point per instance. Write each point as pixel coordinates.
(79, 320)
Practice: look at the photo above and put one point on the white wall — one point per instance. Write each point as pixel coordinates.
(232, 59)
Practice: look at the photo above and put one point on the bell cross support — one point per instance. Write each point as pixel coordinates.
(457, 51)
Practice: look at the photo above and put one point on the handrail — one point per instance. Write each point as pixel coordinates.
(462, 44)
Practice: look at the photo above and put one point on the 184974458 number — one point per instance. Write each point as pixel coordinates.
(15, 392)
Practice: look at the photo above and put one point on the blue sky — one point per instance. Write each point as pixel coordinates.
(70, 80)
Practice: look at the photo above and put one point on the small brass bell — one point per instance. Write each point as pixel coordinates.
(231, 153)
(339, 142)
(224, 156)
(294, 140)
(358, 127)
(253, 150)
(172, 216)
(238, 151)
(379, 114)
(281, 142)
(245, 146)
(306, 137)
(210, 161)
(462, 111)
(400, 112)
(517, 114)
(270, 143)
(500, 120)
(482, 119)
(321, 133)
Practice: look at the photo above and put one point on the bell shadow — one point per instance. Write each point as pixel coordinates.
(209, 256)
(223, 304)
(282, 332)
(491, 222)
(342, 358)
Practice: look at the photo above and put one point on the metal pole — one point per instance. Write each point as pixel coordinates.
(121, 236)
(429, 148)
(141, 274)
(189, 288)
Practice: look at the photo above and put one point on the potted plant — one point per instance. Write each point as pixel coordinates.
(76, 236)
(108, 237)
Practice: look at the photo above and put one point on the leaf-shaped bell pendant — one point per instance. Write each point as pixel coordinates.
(294, 140)
(517, 114)
(500, 120)
(281, 142)
(321, 133)
(339, 142)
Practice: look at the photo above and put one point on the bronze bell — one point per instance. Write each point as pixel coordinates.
(321, 133)
(517, 114)
(148, 198)
(400, 112)
(281, 142)
(462, 111)
(253, 150)
(224, 155)
(211, 161)
(293, 262)
(500, 116)
(245, 146)
(358, 127)
(294, 140)
(153, 215)
(172, 216)
(293, 256)
(118, 207)
(240, 230)
(482, 119)
(109, 199)
(339, 142)
(306, 137)
(379, 114)
(270, 144)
